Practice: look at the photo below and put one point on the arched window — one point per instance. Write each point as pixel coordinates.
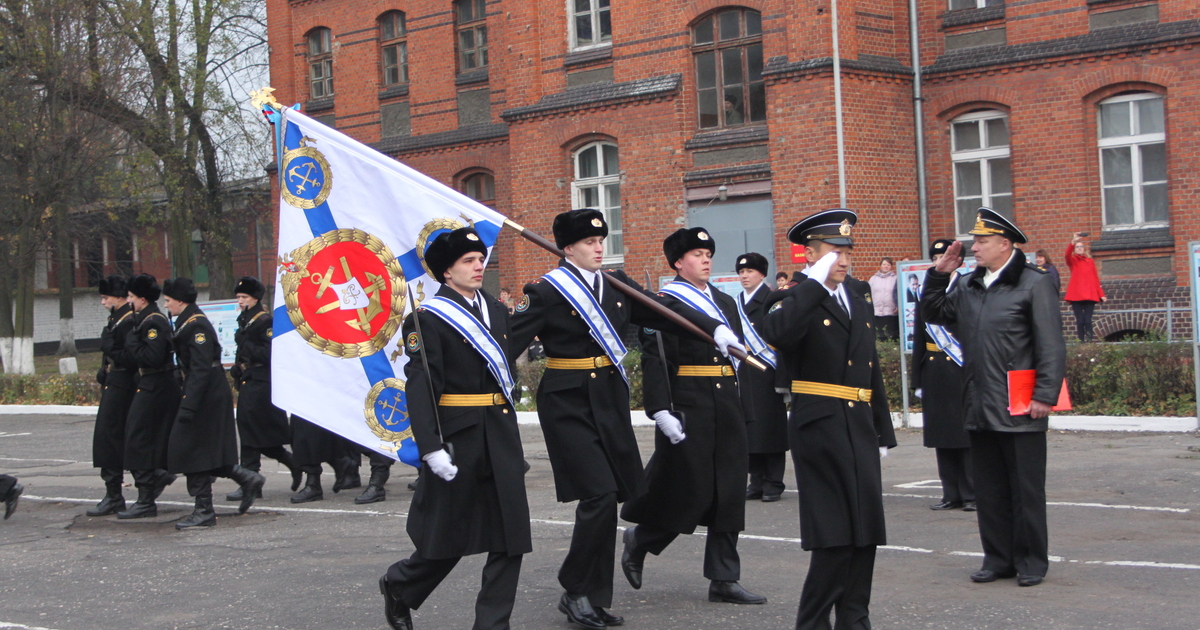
(320, 63)
(471, 24)
(982, 166)
(1133, 160)
(393, 49)
(591, 25)
(597, 185)
(481, 187)
(727, 48)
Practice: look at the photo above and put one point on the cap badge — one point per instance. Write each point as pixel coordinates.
(596, 222)
(979, 222)
(472, 237)
(702, 236)
(742, 261)
(938, 245)
(844, 228)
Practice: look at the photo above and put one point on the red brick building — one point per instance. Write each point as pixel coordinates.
(1074, 115)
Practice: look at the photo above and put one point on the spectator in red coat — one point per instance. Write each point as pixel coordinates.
(1083, 290)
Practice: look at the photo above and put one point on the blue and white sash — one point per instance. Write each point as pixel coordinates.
(479, 337)
(753, 340)
(942, 337)
(577, 293)
(699, 300)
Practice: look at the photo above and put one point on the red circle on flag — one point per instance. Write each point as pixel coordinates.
(347, 294)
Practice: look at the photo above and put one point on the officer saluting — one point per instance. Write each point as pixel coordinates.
(470, 497)
(839, 424)
(154, 402)
(696, 474)
(203, 440)
(262, 427)
(117, 378)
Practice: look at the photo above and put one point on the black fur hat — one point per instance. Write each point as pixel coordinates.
(144, 286)
(939, 246)
(575, 225)
(114, 286)
(684, 240)
(448, 247)
(752, 260)
(250, 285)
(182, 289)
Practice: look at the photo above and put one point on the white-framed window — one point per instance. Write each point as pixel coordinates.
(320, 62)
(1133, 160)
(974, 4)
(597, 185)
(980, 153)
(590, 23)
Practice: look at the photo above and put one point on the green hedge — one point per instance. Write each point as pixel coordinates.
(71, 389)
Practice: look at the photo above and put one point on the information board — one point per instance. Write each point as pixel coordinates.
(911, 277)
(223, 315)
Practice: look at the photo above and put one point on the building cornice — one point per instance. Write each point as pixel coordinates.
(596, 95)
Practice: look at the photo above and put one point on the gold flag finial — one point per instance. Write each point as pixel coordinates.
(263, 97)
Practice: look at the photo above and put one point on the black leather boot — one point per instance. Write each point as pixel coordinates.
(236, 495)
(202, 516)
(375, 491)
(311, 490)
(112, 502)
(164, 479)
(349, 477)
(251, 486)
(297, 474)
(144, 507)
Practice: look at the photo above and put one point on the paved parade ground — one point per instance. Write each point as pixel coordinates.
(1124, 521)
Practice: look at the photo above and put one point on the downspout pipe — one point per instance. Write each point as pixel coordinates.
(918, 123)
(837, 107)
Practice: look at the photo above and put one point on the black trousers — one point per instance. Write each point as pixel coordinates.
(146, 478)
(113, 478)
(839, 579)
(766, 472)
(954, 469)
(200, 483)
(7, 482)
(1083, 319)
(251, 456)
(721, 560)
(1010, 490)
(413, 579)
(588, 567)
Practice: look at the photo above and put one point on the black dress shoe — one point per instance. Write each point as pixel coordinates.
(987, 575)
(609, 619)
(10, 504)
(396, 611)
(732, 593)
(373, 494)
(632, 559)
(969, 506)
(752, 494)
(1029, 580)
(946, 505)
(771, 498)
(579, 611)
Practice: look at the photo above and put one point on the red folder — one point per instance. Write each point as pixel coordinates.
(1020, 393)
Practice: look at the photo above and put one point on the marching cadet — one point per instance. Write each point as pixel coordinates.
(117, 380)
(764, 409)
(312, 444)
(698, 469)
(262, 427)
(471, 495)
(381, 471)
(203, 441)
(10, 493)
(839, 425)
(155, 401)
(938, 378)
(583, 402)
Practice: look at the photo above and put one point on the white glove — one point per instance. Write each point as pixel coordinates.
(883, 451)
(920, 393)
(669, 425)
(439, 463)
(819, 271)
(726, 339)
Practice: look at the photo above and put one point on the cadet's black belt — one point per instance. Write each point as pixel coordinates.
(706, 370)
(932, 347)
(112, 368)
(247, 366)
(472, 400)
(590, 363)
(149, 371)
(832, 391)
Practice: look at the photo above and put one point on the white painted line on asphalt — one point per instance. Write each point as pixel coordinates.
(51, 410)
(1121, 507)
(28, 497)
(3, 434)
(38, 459)
(18, 626)
(936, 484)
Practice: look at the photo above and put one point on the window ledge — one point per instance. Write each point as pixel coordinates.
(1105, 3)
(394, 91)
(588, 55)
(478, 75)
(1133, 238)
(964, 17)
(753, 132)
(318, 105)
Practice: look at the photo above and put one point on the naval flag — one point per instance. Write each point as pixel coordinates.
(353, 228)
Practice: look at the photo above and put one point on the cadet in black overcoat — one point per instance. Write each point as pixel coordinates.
(697, 471)
(763, 408)
(203, 441)
(473, 500)
(148, 425)
(839, 424)
(262, 427)
(939, 379)
(118, 379)
(583, 408)
(10, 494)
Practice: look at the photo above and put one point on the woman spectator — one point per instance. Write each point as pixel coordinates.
(1044, 263)
(883, 295)
(1084, 290)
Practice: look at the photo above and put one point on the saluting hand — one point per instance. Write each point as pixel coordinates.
(819, 270)
(952, 259)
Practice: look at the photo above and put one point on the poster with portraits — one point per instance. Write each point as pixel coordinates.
(910, 282)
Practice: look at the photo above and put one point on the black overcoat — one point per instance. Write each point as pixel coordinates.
(763, 408)
(260, 423)
(313, 444)
(484, 508)
(585, 413)
(120, 380)
(835, 442)
(701, 480)
(204, 437)
(156, 398)
(940, 380)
